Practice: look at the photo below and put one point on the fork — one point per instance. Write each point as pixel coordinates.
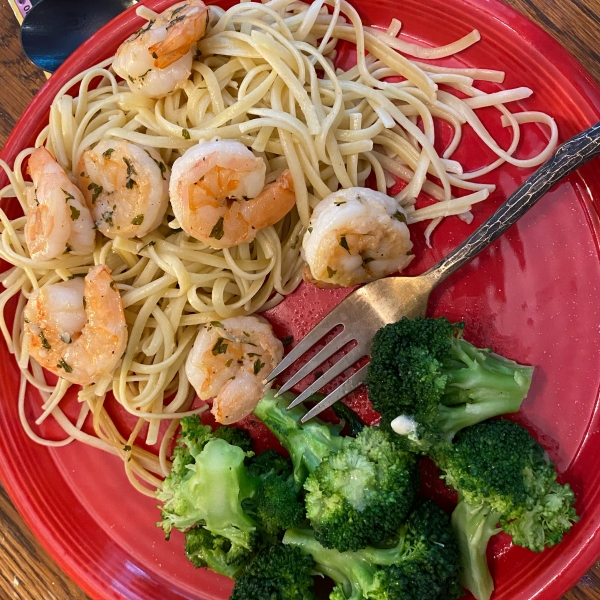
(387, 300)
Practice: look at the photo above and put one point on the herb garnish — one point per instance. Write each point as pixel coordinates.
(220, 347)
(217, 231)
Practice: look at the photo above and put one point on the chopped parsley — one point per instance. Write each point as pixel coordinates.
(339, 203)
(399, 216)
(143, 29)
(75, 214)
(177, 10)
(258, 366)
(161, 165)
(330, 272)
(217, 231)
(130, 171)
(67, 195)
(228, 363)
(68, 248)
(45, 343)
(98, 189)
(186, 134)
(217, 324)
(344, 244)
(108, 152)
(137, 220)
(127, 448)
(220, 347)
(175, 21)
(112, 285)
(63, 365)
(152, 243)
(310, 230)
(84, 302)
(107, 217)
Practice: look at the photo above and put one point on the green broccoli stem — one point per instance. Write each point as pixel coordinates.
(473, 527)
(222, 483)
(486, 375)
(353, 571)
(307, 444)
(454, 418)
(479, 385)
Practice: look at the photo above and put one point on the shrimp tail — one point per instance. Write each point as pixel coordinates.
(279, 196)
(180, 38)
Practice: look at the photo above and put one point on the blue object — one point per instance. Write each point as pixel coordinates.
(53, 29)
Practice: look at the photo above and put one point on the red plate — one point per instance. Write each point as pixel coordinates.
(532, 296)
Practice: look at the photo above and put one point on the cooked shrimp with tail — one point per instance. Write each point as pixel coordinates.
(76, 328)
(229, 361)
(355, 235)
(58, 220)
(218, 194)
(157, 59)
(126, 188)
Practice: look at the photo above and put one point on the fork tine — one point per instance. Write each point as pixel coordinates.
(329, 350)
(345, 388)
(308, 341)
(346, 361)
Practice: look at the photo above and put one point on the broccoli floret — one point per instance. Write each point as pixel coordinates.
(277, 505)
(433, 383)
(211, 494)
(503, 476)
(190, 442)
(215, 552)
(193, 438)
(270, 462)
(422, 565)
(280, 573)
(235, 436)
(360, 495)
(307, 444)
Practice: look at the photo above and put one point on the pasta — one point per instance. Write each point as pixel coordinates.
(265, 75)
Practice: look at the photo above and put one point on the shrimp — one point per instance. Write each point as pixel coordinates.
(157, 59)
(355, 235)
(126, 188)
(218, 197)
(229, 361)
(76, 328)
(57, 218)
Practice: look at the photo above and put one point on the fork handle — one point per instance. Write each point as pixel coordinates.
(566, 159)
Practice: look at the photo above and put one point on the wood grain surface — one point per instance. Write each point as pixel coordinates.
(26, 570)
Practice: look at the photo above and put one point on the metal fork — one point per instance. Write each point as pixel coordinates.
(387, 300)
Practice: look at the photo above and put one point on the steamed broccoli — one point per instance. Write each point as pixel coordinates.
(431, 383)
(280, 573)
(277, 505)
(307, 444)
(361, 494)
(204, 549)
(207, 486)
(502, 476)
(422, 565)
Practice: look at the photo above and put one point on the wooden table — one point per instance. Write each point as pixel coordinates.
(26, 570)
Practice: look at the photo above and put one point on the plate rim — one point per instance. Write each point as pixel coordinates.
(35, 114)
